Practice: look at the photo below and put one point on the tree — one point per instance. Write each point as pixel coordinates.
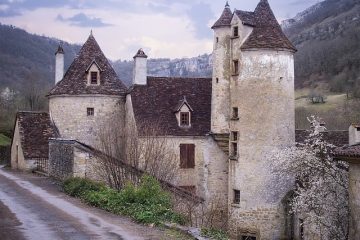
(125, 155)
(320, 196)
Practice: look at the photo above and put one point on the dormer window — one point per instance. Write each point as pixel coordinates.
(183, 113)
(94, 77)
(93, 74)
(184, 119)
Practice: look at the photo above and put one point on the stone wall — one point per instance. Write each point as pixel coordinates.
(17, 155)
(61, 158)
(69, 114)
(354, 200)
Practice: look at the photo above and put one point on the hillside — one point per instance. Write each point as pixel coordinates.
(327, 36)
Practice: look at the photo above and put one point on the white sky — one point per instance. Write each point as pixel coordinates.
(163, 28)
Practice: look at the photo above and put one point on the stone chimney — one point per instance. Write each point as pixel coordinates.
(59, 64)
(354, 134)
(140, 68)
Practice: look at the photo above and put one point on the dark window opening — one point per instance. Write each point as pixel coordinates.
(358, 129)
(217, 39)
(236, 31)
(217, 80)
(236, 196)
(90, 111)
(236, 66)
(234, 149)
(94, 78)
(234, 136)
(190, 189)
(187, 155)
(235, 113)
(184, 119)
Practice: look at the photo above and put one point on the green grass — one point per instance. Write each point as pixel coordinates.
(147, 203)
(4, 140)
(215, 234)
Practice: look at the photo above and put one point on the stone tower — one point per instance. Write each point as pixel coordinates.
(89, 95)
(253, 100)
(220, 111)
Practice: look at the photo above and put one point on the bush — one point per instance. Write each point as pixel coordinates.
(214, 234)
(147, 203)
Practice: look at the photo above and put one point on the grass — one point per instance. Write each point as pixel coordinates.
(215, 234)
(147, 203)
(4, 140)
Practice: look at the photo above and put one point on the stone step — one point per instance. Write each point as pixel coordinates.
(222, 141)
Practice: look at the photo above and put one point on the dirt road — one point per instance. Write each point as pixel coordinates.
(32, 207)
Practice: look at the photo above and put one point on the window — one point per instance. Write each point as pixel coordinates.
(234, 149)
(217, 39)
(217, 80)
(236, 66)
(93, 77)
(190, 189)
(90, 111)
(184, 119)
(187, 155)
(236, 196)
(236, 31)
(358, 129)
(235, 113)
(234, 136)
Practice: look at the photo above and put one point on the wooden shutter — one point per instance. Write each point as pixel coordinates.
(191, 156)
(183, 155)
(187, 155)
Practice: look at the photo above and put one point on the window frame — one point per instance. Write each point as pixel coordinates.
(92, 82)
(187, 120)
(236, 66)
(235, 31)
(235, 113)
(237, 196)
(90, 112)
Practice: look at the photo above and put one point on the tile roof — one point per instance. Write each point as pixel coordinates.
(74, 81)
(154, 104)
(225, 18)
(248, 18)
(348, 151)
(267, 33)
(337, 138)
(35, 130)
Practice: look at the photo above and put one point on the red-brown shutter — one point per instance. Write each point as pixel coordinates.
(191, 156)
(183, 155)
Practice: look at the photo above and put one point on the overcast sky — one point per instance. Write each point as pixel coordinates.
(163, 28)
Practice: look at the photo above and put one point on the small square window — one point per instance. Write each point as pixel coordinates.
(236, 196)
(184, 119)
(94, 78)
(235, 113)
(90, 111)
(236, 31)
(236, 66)
(358, 129)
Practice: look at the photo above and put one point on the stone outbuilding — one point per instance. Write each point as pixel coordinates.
(30, 146)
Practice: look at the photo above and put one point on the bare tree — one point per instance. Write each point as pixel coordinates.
(126, 155)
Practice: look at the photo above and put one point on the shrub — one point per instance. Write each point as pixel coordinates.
(216, 234)
(76, 187)
(147, 203)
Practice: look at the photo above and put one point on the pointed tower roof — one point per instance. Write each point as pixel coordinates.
(225, 18)
(267, 33)
(75, 79)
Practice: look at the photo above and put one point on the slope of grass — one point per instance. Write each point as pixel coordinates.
(4, 140)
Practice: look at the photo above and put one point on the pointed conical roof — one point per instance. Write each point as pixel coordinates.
(75, 79)
(267, 33)
(225, 18)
